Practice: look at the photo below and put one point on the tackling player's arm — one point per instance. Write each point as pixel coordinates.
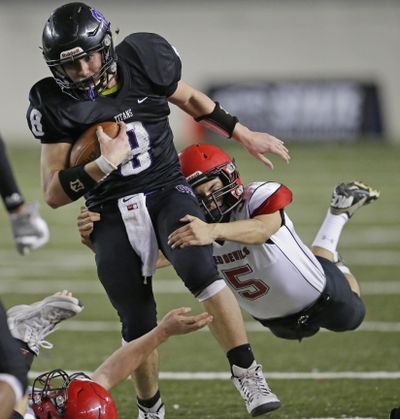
(118, 366)
(196, 232)
(208, 112)
(85, 223)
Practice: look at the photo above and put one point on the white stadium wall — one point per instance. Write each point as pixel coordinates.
(225, 41)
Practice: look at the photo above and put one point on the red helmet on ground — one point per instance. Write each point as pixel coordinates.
(203, 162)
(57, 395)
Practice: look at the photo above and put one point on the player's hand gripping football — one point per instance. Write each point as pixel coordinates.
(259, 143)
(116, 150)
(176, 322)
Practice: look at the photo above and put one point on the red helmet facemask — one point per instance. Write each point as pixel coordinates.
(56, 395)
(203, 162)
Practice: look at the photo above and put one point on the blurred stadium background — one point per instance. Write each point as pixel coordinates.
(324, 76)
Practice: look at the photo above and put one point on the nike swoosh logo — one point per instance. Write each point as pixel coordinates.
(142, 100)
(126, 199)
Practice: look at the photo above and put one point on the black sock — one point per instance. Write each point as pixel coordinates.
(150, 402)
(241, 356)
(16, 415)
(27, 354)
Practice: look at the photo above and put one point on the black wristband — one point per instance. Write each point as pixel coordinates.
(76, 182)
(220, 121)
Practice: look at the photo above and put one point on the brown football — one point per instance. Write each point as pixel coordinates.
(86, 148)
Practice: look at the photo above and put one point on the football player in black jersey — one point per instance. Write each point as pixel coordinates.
(136, 184)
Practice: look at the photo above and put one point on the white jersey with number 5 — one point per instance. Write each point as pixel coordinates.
(279, 277)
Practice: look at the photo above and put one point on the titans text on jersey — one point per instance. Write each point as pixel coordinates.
(149, 70)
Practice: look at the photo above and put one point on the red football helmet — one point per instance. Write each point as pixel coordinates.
(56, 395)
(203, 162)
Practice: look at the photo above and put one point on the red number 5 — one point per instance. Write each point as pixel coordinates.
(252, 288)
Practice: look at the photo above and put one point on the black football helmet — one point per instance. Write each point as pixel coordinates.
(73, 31)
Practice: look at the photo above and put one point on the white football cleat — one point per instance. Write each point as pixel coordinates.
(29, 229)
(155, 412)
(32, 323)
(347, 198)
(254, 389)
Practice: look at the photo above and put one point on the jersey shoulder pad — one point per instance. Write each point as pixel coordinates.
(45, 98)
(266, 197)
(154, 57)
(43, 91)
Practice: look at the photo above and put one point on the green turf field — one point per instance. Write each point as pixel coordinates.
(370, 245)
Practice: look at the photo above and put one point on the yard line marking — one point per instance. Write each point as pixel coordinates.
(274, 375)
(161, 286)
(55, 261)
(112, 326)
(346, 417)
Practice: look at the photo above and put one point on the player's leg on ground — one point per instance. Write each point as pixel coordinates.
(196, 267)
(228, 329)
(7, 400)
(227, 326)
(145, 381)
(120, 273)
(145, 377)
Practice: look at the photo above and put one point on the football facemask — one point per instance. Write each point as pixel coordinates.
(72, 32)
(203, 162)
(57, 395)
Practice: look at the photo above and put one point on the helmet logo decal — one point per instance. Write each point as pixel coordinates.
(230, 168)
(99, 16)
(238, 191)
(70, 52)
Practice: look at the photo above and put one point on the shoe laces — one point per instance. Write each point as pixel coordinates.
(253, 383)
(151, 415)
(39, 328)
(146, 413)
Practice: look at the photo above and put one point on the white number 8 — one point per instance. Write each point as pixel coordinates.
(36, 123)
(139, 140)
